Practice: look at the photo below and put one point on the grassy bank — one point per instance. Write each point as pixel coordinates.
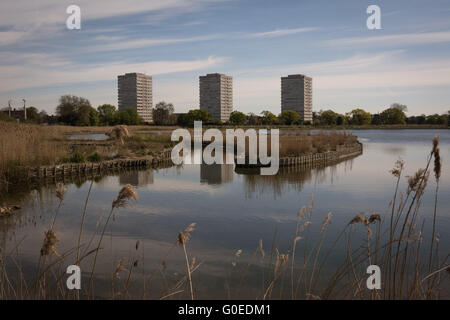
(27, 145)
(299, 143)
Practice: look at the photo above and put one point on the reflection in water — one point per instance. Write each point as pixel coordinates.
(137, 178)
(397, 150)
(288, 178)
(216, 173)
(88, 136)
(37, 202)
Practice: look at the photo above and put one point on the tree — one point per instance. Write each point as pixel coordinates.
(316, 118)
(269, 118)
(436, 119)
(73, 110)
(399, 106)
(162, 113)
(200, 115)
(32, 114)
(329, 117)
(42, 117)
(183, 120)
(106, 114)
(416, 119)
(359, 117)
(5, 117)
(237, 118)
(122, 117)
(393, 116)
(253, 119)
(187, 119)
(173, 119)
(93, 117)
(376, 119)
(340, 120)
(87, 116)
(289, 117)
(135, 119)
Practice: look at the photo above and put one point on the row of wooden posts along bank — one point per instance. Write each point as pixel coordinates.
(74, 169)
(342, 152)
(164, 158)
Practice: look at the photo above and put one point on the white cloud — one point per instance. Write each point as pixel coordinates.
(45, 18)
(120, 43)
(108, 43)
(22, 13)
(30, 75)
(354, 63)
(384, 69)
(8, 37)
(394, 39)
(278, 33)
(415, 77)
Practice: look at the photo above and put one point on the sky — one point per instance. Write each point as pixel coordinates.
(256, 41)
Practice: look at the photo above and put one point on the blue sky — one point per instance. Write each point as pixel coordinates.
(255, 41)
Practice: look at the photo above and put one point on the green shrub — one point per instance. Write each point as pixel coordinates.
(64, 160)
(135, 138)
(5, 117)
(77, 157)
(95, 157)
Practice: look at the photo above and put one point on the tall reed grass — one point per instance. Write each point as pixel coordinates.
(27, 145)
(299, 143)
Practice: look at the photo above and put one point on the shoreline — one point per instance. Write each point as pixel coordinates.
(163, 159)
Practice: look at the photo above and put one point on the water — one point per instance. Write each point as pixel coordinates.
(88, 136)
(232, 212)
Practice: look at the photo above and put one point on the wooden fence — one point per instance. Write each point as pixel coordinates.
(91, 168)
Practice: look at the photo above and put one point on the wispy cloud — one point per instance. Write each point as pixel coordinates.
(394, 39)
(351, 64)
(54, 11)
(33, 18)
(110, 43)
(8, 37)
(278, 33)
(29, 75)
(120, 43)
(437, 75)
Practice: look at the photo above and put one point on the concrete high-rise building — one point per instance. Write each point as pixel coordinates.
(296, 94)
(135, 91)
(216, 95)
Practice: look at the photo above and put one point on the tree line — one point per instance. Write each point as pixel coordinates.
(393, 115)
(77, 111)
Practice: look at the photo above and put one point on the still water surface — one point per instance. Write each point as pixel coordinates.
(232, 212)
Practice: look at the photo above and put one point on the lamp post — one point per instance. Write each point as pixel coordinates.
(24, 109)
